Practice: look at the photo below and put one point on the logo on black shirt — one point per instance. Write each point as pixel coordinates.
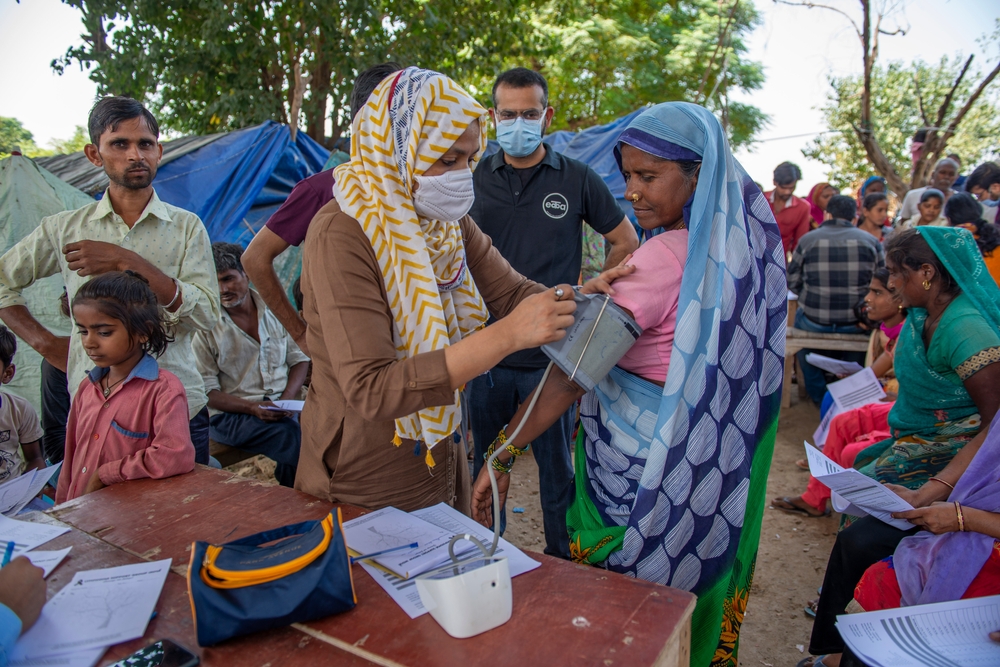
(555, 205)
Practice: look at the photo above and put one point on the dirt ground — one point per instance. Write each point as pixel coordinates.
(790, 563)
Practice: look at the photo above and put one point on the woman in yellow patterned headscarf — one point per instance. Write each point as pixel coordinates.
(397, 280)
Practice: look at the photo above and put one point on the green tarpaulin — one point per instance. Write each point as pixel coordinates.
(29, 193)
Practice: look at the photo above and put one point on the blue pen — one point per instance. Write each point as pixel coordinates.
(355, 559)
(8, 552)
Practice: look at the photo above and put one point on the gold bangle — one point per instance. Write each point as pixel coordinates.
(961, 517)
(938, 479)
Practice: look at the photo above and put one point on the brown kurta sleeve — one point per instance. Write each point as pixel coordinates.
(359, 386)
(356, 327)
(501, 286)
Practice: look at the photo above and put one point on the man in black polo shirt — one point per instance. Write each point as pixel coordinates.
(533, 202)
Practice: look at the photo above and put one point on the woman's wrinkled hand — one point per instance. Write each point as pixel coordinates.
(602, 283)
(940, 517)
(541, 318)
(482, 495)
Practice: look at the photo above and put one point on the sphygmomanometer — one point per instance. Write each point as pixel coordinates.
(472, 595)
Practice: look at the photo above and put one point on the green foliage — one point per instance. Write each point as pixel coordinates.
(606, 58)
(72, 145)
(896, 115)
(14, 135)
(210, 65)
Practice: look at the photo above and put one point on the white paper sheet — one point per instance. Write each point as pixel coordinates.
(823, 430)
(87, 658)
(26, 536)
(948, 634)
(856, 390)
(390, 527)
(404, 591)
(96, 609)
(835, 366)
(17, 493)
(863, 495)
(47, 560)
(453, 521)
(286, 406)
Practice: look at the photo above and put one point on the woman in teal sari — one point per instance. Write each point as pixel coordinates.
(948, 367)
(944, 403)
(676, 442)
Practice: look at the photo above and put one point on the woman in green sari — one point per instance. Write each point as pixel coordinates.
(948, 367)
(953, 333)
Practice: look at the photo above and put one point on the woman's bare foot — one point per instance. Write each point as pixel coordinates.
(796, 505)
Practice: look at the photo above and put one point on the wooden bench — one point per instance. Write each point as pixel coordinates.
(226, 455)
(799, 339)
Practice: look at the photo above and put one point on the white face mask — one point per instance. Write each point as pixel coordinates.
(446, 197)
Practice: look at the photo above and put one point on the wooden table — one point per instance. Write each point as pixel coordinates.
(563, 613)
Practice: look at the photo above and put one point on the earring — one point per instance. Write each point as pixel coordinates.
(634, 197)
(900, 307)
(926, 285)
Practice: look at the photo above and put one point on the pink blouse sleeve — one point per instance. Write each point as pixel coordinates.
(652, 291)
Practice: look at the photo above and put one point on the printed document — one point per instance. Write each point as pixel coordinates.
(853, 392)
(47, 560)
(855, 493)
(947, 634)
(856, 390)
(26, 536)
(287, 406)
(390, 527)
(18, 492)
(835, 366)
(96, 609)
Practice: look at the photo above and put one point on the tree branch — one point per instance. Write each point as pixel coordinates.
(936, 143)
(946, 104)
(815, 5)
(715, 53)
(920, 101)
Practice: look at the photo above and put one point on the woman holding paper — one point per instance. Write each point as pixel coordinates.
(858, 429)
(949, 377)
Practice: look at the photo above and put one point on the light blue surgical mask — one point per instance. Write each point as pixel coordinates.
(520, 138)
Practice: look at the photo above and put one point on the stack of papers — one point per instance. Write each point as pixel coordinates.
(26, 536)
(949, 634)
(855, 493)
(853, 392)
(97, 609)
(18, 492)
(435, 521)
(390, 528)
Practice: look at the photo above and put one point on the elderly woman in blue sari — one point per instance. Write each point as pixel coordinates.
(676, 442)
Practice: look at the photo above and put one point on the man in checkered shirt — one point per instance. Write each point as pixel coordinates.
(830, 271)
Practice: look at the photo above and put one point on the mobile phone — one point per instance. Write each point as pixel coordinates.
(163, 653)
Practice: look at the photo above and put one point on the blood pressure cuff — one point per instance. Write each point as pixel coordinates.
(601, 334)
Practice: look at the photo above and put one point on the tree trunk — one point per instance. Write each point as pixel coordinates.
(315, 106)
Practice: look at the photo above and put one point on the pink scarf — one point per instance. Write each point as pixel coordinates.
(892, 333)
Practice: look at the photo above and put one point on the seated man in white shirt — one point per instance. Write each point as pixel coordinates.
(247, 361)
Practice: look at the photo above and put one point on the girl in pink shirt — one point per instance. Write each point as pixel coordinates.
(129, 418)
